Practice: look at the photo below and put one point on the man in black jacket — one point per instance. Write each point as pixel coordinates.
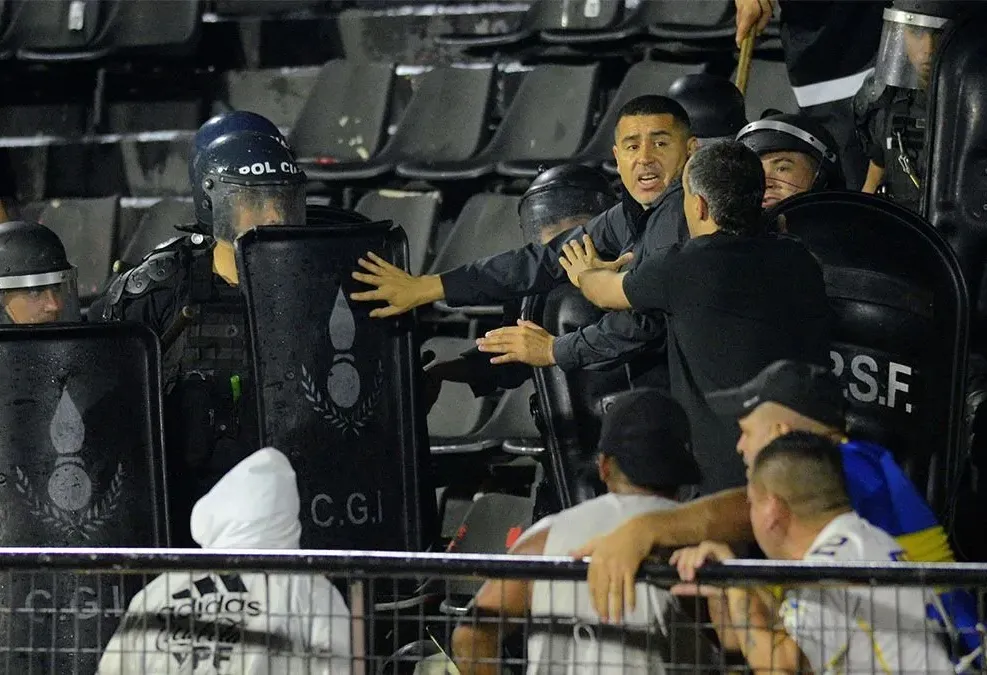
(736, 298)
(653, 141)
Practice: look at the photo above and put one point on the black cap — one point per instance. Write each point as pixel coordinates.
(797, 133)
(810, 390)
(648, 434)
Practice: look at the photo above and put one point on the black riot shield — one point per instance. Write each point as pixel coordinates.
(956, 189)
(901, 323)
(82, 465)
(338, 391)
(570, 404)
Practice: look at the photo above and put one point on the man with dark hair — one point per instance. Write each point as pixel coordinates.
(652, 142)
(800, 510)
(736, 297)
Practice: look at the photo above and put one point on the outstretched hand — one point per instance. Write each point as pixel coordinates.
(615, 559)
(401, 291)
(579, 257)
(525, 343)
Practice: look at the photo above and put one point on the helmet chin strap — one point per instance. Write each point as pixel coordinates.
(794, 185)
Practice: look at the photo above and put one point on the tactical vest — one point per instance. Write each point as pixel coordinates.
(905, 149)
(208, 374)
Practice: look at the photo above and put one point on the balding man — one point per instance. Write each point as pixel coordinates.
(800, 510)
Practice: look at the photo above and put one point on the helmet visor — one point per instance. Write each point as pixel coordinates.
(239, 208)
(547, 213)
(51, 297)
(908, 44)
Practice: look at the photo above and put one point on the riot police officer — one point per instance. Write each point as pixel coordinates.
(37, 282)
(714, 104)
(186, 291)
(558, 200)
(890, 108)
(797, 153)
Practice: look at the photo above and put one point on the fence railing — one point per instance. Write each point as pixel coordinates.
(146, 611)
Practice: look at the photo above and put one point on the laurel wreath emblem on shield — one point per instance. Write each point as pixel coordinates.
(84, 524)
(346, 422)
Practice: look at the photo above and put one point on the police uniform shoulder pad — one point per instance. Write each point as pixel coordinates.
(873, 94)
(161, 264)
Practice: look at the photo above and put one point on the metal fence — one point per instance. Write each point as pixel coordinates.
(145, 611)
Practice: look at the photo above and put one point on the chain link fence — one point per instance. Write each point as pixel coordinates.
(84, 611)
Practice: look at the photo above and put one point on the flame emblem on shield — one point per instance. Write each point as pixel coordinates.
(69, 486)
(343, 403)
(344, 379)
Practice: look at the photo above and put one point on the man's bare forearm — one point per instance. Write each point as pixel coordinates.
(723, 516)
(475, 649)
(766, 647)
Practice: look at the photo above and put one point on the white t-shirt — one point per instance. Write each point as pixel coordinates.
(858, 629)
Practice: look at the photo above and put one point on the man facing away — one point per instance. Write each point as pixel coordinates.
(644, 459)
(800, 510)
(242, 624)
(735, 296)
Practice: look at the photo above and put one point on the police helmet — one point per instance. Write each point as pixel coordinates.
(714, 104)
(797, 133)
(33, 261)
(563, 192)
(229, 123)
(246, 179)
(909, 38)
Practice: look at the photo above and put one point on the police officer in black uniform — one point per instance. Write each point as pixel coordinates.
(37, 282)
(558, 200)
(890, 109)
(186, 291)
(798, 155)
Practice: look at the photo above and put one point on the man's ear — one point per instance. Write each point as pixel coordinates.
(615, 153)
(691, 146)
(603, 467)
(703, 207)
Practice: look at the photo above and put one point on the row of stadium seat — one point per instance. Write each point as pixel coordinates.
(339, 118)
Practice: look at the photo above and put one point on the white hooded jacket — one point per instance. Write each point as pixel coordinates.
(241, 624)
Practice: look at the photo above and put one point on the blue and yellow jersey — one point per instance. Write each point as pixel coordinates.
(883, 495)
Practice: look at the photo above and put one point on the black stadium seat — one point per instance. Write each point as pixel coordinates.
(570, 404)
(63, 30)
(87, 228)
(415, 212)
(645, 77)
(156, 226)
(447, 98)
(487, 225)
(541, 15)
(279, 94)
(52, 26)
(693, 20)
(344, 118)
(547, 122)
(591, 22)
(768, 87)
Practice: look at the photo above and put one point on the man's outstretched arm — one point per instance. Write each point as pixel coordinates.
(524, 271)
(616, 557)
